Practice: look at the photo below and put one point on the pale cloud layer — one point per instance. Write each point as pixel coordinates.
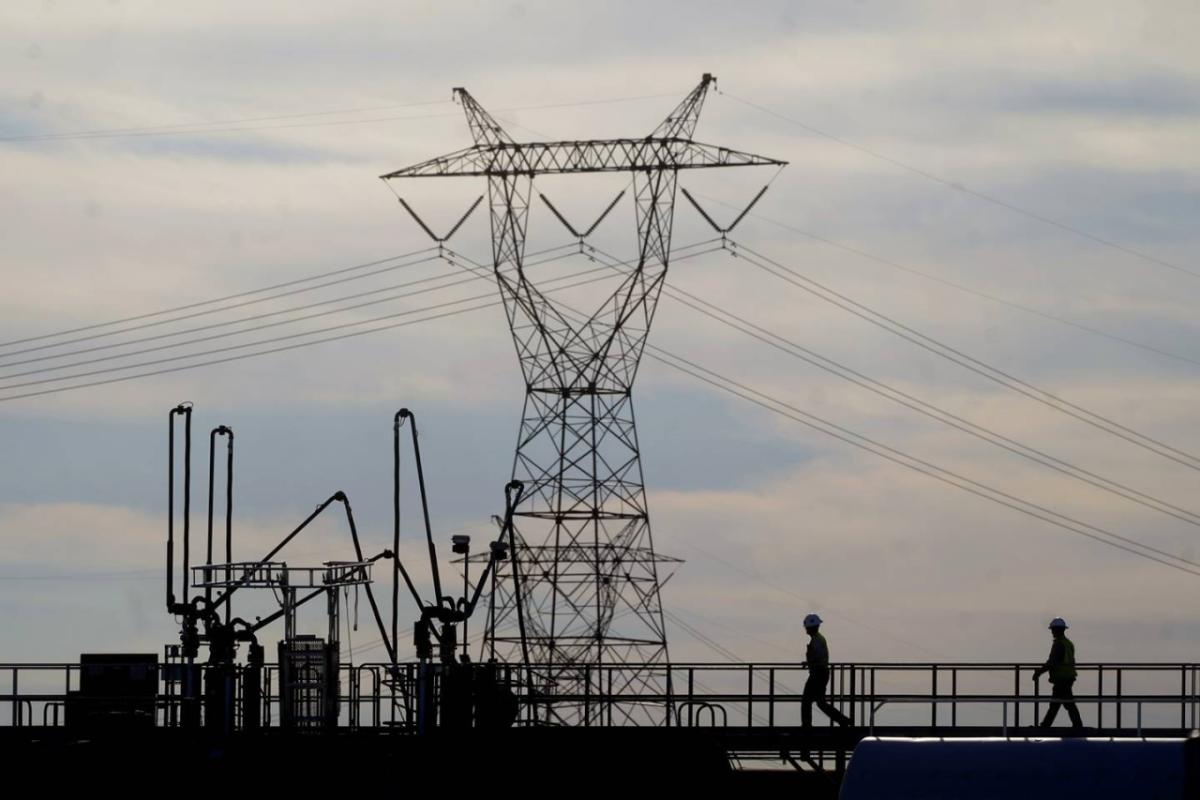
(1085, 114)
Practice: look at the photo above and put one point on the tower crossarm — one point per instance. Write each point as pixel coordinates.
(602, 155)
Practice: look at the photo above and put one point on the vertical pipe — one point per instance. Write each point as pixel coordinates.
(511, 503)
(171, 511)
(228, 512)
(395, 539)
(187, 502)
(184, 410)
(492, 615)
(466, 594)
(208, 561)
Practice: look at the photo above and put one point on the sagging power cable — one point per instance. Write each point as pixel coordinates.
(941, 349)
(902, 458)
(960, 188)
(796, 350)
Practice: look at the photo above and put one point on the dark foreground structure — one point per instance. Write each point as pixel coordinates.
(919, 729)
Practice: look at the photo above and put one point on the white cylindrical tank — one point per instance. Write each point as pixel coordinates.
(1021, 769)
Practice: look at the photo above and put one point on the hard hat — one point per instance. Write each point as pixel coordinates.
(1058, 622)
(812, 621)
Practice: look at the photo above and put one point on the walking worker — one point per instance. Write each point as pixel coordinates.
(1061, 666)
(817, 661)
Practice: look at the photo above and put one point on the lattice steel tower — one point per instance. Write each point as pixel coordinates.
(586, 561)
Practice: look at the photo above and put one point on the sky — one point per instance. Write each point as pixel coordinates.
(1019, 182)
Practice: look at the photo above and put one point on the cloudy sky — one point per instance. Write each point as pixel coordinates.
(1019, 182)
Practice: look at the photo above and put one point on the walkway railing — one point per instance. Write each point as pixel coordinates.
(1130, 697)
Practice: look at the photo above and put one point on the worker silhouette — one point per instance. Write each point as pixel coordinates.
(817, 661)
(1061, 666)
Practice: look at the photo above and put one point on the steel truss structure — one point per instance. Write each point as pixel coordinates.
(588, 575)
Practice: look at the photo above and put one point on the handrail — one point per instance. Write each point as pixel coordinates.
(732, 691)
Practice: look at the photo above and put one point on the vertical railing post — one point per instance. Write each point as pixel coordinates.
(691, 695)
(1100, 696)
(610, 695)
(771, 698)
(954, 692)
(1195, 701)
(873, 703)
(16, 701)
(1037, 693)
(1017, 694)
(1182, 695)
(587, 695)
(933, 706)
(1119, 696)
(749, 695)
(853, 693)
(670, 705)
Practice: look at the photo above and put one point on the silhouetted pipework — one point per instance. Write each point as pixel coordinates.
(588, 590)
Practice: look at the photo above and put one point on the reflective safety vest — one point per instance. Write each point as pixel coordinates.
(1063, 670)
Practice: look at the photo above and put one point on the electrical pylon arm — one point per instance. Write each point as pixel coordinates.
(607, 155)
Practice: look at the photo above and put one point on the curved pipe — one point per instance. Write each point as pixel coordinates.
(336, 497)
(184, 410)
(220, 430)
(519, 488)
(402, 415)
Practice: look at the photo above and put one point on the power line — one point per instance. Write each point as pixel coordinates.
(961, 288)
(964, 360)
(183, 129)
(958, 187)
(918, 465)
(690, 300)
(255, 301)
(213, 301)
(208, 311)
(241, 320)
(907, 460)
(532, 263)
(273, 340)
(227, 359)
(201, 125)
(758, 398)
(227, 323)
(916, 404)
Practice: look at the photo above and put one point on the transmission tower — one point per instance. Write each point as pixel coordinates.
(588, 573)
